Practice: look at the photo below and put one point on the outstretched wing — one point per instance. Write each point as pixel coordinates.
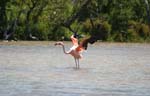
(84, 43)
(91, 40)
(74, 41)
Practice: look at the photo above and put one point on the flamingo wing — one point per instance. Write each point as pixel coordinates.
(84, 42)
(74, 41)
(82, 46)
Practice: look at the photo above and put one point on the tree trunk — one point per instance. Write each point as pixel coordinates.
(10, 30)
(3, 17)
(27, 22)
(148, 14)
(43, 5)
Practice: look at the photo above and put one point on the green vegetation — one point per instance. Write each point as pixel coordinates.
(109, 20)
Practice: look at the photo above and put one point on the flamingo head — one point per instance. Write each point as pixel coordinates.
(59, 43)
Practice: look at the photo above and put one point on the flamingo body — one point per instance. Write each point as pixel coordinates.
(75, 50)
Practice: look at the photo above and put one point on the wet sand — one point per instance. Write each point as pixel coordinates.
(107, 69)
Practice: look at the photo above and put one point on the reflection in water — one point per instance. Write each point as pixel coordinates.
(106, 70)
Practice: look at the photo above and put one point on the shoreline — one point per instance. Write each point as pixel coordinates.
(32, 43)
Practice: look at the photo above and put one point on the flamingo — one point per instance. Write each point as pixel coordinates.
(76, 50)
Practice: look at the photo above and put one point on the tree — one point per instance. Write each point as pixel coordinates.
(54, 19)
(3, 16)
(148, 10)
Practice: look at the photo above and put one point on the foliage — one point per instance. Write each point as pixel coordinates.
(110, 20)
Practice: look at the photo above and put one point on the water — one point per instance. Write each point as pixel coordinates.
(107, 69)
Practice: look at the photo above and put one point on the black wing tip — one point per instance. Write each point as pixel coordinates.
(90, 40)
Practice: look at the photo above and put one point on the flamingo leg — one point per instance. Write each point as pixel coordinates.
(76, 62)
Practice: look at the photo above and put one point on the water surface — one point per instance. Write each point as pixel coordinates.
(107, 69)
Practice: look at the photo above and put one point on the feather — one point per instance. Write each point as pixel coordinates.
(91, 40)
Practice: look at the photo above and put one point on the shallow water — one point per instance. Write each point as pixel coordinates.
(107, 69)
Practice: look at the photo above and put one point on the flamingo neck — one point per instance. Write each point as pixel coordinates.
(64, 49)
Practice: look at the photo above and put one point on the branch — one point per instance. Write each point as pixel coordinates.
(39, 12)
(70, 20)
(92, 22)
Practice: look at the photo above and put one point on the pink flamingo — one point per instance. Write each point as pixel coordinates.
(75, 50)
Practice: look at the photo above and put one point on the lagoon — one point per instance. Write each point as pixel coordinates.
(107, 69)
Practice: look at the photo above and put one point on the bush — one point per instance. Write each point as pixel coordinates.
(133, 36)
(59, 33)
(19, 33)
(101, 29)
(145, 31)
(138, 31)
